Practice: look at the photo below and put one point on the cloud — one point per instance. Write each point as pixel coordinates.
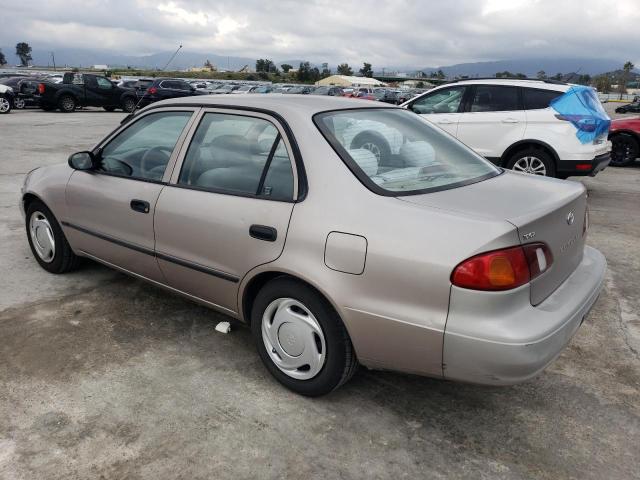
(391, 32)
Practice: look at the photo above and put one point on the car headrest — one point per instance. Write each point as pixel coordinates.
(366, 160)
(418, 154)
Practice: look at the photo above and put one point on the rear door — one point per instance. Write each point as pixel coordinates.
(110, 211)
(493, 120)
(442, 107)
(228, 205)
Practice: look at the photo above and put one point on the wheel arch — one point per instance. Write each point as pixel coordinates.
(29, 198)
(524, 144)
(635, 135)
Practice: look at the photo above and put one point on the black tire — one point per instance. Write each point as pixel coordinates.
(373, 141)
(624, 150)
(109, 109)
(340, 361)
(64, 260)
(67, 104)
(518, 158)
(128, 105)
(620, 110)
(5, 105)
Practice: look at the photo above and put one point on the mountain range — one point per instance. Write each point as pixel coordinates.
(184, 59)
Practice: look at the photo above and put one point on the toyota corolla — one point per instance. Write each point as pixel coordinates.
(427, 259)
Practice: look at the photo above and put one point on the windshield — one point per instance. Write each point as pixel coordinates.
(393, 151)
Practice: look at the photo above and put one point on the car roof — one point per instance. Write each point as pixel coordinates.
(514, 82)
(282, 104)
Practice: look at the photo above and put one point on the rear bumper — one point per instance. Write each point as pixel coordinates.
(499, 338)
(584, 167)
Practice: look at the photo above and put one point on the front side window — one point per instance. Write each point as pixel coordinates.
(394, 152)
(447, 100)
(143, 150)
(104, 83)
(238, 155)
(495, 98)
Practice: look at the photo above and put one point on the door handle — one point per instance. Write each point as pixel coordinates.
(262, 232)
(140, 206)
(509, 120)
(445, 121)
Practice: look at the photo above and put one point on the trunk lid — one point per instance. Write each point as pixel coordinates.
(542, 210)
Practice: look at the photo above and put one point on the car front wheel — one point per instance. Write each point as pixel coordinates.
(624, 150)
(5, 105)
(129, 105)
(47, 241)
(301, 339)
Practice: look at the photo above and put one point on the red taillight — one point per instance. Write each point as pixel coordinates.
(152, 90)
(41, 88)
(503, 269)
(583, 166)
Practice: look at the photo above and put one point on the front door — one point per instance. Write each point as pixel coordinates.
(441, 107)
(227, 208)
(110, 211)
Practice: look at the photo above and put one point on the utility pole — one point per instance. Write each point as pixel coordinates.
(53, 58)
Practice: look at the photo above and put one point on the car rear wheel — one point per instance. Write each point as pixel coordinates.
(47, 241)
(67, 104)
(624, 150)
(532, 161)
(5, 105)
(19, 103)
(129, 105)
(301, 339)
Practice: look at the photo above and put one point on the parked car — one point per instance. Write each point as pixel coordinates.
(300, 90)
(633, 107)
(23, 90)
(330, 91)
(263, 89)
(511, 123)
(244, 89)
(225, 89)
(6, 99)
(386, 96)
(415, 263)
(625, 139)
(165, 88)
(86, 90)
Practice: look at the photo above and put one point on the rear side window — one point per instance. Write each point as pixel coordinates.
(495, 98)
(238, 155)
(535, 99)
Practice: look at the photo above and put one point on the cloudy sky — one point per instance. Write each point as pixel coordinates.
(383, 32)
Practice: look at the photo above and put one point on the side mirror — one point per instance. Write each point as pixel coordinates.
(82, 161)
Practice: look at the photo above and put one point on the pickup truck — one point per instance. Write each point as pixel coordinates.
(87, 90)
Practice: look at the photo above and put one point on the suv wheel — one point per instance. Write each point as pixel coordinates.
(532, 161)
(129, 105)
(301, 339)
(625, 149)
(5, 105)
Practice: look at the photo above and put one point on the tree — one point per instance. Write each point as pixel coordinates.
(304, 72)
(266, 65)
(3, 60)
(520, 75)
(603, 83)
(420, 84)
(557, 76)
(344, 69)
(624, 78)
(326, 71)
(23, 50)
(366, 70)
(505, 74)
(541, 75)
(440, 74)
(286, 67)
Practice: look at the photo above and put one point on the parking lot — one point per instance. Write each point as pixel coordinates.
(104, 376)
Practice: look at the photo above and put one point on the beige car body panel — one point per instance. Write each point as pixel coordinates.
(395, 308)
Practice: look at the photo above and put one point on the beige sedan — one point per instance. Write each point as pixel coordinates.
(343, 232)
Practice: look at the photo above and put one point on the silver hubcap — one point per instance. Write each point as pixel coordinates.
(42, 237)
(373, 148)
(67, 104)
(532, 165)
(4, 105)
(19, 103)
(293, 338)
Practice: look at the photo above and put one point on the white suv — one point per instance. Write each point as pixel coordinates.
(510, 122)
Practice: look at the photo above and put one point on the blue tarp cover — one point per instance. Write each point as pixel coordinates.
(581, 106)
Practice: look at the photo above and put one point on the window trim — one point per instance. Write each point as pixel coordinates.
(523, 89)
(281, 135)
(343, 155)
(97, 150)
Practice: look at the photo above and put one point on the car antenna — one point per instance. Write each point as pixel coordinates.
(162, 70)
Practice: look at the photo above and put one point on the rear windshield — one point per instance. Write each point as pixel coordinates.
(396, 152)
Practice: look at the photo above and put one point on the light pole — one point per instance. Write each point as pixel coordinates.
(53, 59)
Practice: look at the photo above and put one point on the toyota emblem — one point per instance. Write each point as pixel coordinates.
(570, 218)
